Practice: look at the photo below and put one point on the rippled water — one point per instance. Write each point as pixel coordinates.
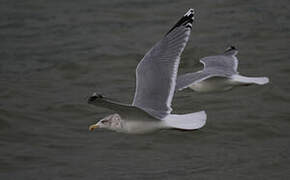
(54, 54)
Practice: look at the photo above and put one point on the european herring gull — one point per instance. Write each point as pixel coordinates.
(155, 86)
(219, 74)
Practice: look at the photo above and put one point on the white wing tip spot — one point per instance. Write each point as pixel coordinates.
(189, 12)
(189, 25)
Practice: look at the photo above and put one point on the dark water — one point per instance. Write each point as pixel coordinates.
(54, 54)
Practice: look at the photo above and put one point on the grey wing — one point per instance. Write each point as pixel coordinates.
(214, 66)
(221, 64)
(157, 71)
(186, 80)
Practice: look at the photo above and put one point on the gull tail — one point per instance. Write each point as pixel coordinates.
(250, 80)
(189, 121)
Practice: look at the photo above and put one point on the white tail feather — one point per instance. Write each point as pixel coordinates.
(186, 121)
(250, 80)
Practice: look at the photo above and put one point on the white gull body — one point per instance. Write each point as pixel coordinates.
(155, 86)
(219, 74)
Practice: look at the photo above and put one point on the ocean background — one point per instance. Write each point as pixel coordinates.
(55, 54)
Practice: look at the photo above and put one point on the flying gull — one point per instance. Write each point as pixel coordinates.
(219, 74)
(155, 86)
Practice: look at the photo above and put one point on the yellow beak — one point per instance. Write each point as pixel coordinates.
(93, 126)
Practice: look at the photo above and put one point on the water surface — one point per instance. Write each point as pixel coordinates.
(54, 54)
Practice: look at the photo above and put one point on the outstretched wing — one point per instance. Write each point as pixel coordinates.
(186, 80)
(224, 65)
(157, 71)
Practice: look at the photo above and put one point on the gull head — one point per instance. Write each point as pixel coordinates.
(112, 122)
(232, 50)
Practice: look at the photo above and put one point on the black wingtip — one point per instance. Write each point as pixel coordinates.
(186, 20)
(230, 48)
(94, 97)
(233, 48)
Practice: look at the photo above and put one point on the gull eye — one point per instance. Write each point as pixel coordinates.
(105, 121)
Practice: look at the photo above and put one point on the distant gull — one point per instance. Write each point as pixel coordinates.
(155, 86)
(219, 74)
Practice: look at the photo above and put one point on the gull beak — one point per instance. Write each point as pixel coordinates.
(93, 126)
